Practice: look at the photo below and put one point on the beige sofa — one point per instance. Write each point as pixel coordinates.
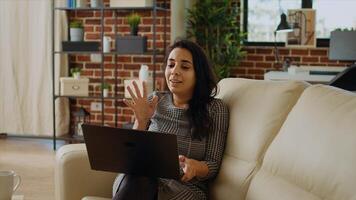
(286, 141)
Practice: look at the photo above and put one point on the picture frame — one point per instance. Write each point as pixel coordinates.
(303, 23)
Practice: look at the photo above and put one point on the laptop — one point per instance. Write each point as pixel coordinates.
(129, 151)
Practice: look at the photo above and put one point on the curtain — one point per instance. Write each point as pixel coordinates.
(26, 69)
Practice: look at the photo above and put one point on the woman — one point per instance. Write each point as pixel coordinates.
(190, 111)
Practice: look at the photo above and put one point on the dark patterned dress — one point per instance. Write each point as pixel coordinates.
(170, 119)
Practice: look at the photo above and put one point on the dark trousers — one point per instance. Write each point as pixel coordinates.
(137, 188)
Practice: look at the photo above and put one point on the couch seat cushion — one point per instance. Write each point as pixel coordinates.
(314, 154)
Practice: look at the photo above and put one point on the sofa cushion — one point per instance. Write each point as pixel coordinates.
(257, 110)
(313, 156)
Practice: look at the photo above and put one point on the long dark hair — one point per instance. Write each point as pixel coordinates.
(204, 91)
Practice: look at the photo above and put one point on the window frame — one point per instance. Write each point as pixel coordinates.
(320, 42)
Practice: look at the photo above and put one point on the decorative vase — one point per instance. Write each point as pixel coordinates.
(106, 44)
(76, 34)
(105, 92)
(82, 3)
(96, 3)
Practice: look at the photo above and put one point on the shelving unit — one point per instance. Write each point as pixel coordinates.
(152, 52)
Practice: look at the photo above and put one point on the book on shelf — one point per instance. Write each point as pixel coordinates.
(71, 3)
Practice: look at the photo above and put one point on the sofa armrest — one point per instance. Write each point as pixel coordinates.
(74, 178)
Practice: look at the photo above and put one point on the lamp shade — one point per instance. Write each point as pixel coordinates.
(283, 25)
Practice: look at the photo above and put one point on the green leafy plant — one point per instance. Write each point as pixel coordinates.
(76, 24)
(105, 86)
(215, 27)
(75, 70)
(134, 20)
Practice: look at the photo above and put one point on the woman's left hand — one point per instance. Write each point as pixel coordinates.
(191, 168)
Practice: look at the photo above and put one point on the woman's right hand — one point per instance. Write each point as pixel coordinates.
(142, 108)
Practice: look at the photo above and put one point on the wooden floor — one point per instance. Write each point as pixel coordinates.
(33, 160)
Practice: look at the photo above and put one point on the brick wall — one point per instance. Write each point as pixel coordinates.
(260, 60)
(127, 66)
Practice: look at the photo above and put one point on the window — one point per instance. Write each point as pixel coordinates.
(331, 14)
(264, 17)
(261, 17)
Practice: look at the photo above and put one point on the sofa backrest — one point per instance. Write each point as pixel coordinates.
(257, 111)
(313, 157)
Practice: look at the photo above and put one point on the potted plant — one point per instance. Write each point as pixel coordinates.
(105, 87)
(76, 42)
(133, 20)
(215, 27)
(76, 31)
(76, 72)
(342, 46)
(132, 43)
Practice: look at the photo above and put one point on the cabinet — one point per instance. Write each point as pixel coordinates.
(108, 21)
(314, 74)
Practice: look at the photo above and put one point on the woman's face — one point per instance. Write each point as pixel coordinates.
(180, 73)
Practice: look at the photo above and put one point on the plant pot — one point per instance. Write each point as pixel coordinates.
(131, 44)
(76, 34)
(76, 75)
(105, 92)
